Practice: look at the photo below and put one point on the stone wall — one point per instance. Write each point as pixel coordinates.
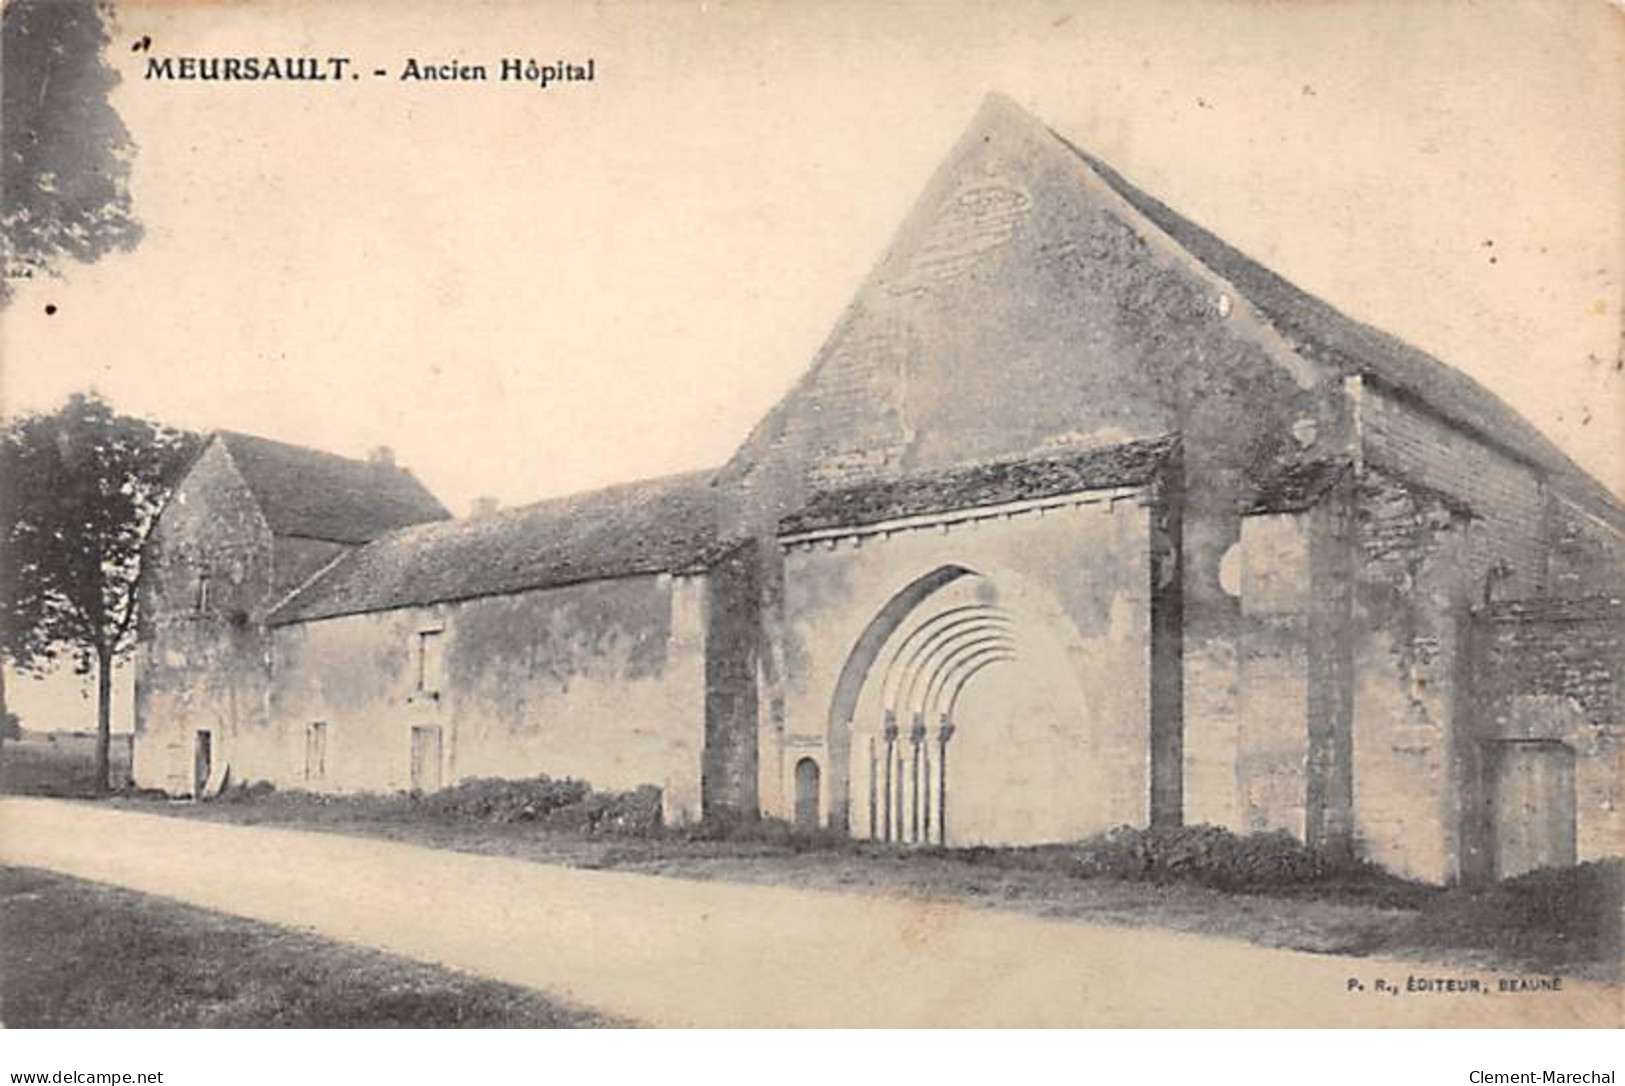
(1507, 497)
(602, 681)
(1077, 585)
(201, 663)
(1025, 308)
(1409, 677)
(1587, 555)
(1550, 669)
(1258, 781)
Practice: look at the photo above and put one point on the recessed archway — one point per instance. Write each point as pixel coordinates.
(895, 765)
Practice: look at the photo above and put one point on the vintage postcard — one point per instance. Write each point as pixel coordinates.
(925, 514)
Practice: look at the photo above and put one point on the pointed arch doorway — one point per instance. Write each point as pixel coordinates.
(957, 718)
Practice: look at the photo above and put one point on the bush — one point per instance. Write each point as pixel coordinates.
(1206, 855)
(622, 814)
(565, 804)
(491, 800)
(1555, 913)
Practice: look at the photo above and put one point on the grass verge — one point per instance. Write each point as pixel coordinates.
(59, 764)
(79, 954)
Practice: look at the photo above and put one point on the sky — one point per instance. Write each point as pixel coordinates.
(528, 292)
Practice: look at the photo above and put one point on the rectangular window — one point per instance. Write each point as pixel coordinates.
(316, 752)
(430, 662)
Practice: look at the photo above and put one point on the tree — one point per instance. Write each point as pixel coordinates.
(64, 152)
(79, 489)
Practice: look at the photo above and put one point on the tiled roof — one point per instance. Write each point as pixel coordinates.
(1318, 330)
(317, 495)
(1133, 463)
(658, 525)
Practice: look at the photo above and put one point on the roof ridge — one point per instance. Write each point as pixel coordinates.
(312, 493)
(1543, 452)
(661, 523)
(512, 512)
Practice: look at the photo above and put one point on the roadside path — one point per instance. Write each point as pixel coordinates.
(681, 952)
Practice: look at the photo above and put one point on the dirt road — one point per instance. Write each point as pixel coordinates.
(678, 952)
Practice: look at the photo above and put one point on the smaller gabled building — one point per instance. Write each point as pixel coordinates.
(251, 521)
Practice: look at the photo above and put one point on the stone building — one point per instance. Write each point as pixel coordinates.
(1079, 518)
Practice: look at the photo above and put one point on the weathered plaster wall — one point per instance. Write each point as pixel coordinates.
(1568, 651)
(201, 669)
(1265, 765)
(1409, 679)
(602, 681)
(1078, 581)
(1291, 758)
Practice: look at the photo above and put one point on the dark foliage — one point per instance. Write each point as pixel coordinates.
(82, 486)
(1551, 915)
(1208, 856)
(565, 804)
(64, 152)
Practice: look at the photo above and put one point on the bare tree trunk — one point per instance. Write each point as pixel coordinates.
(4, 709)
(104, 719)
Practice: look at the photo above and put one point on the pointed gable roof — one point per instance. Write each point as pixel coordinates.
(318, 495)
(654, 526)
(1299, 324)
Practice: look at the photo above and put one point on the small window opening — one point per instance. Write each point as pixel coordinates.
(431, 663)
(200, 601)
(316, 752)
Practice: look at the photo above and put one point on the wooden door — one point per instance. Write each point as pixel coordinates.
(1532, 805)
(426, 759)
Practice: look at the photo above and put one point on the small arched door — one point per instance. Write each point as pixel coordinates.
(807, 793)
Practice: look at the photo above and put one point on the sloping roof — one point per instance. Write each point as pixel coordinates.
(1304, 324)
(658, 525)
(1133, 463)
(1319, 331)
(318, 495)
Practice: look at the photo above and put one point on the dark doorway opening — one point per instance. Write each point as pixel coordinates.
(807, 783)
(202, 761)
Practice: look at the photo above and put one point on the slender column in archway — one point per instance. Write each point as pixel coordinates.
(916, 738)
(861, 662)
(944, 733)
(891, 746)
(902, 793)
(874, 797)
(926, 775)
